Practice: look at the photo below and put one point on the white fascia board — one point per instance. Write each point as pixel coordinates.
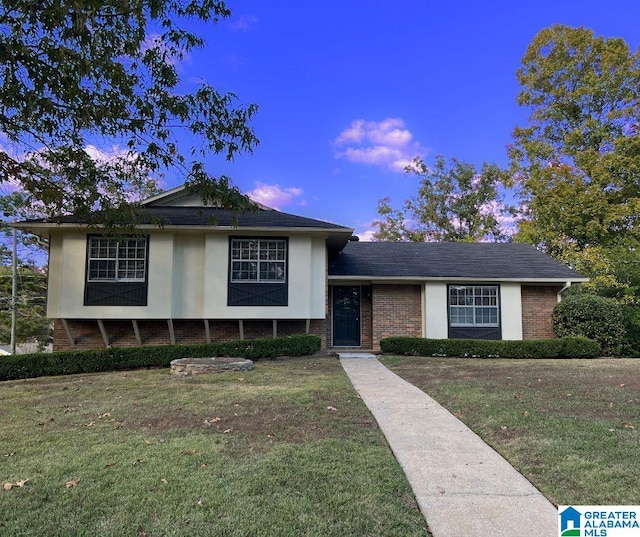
(407, 279)
(163, 195)
(44, 229)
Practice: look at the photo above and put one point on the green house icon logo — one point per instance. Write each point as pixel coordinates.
(570, 523)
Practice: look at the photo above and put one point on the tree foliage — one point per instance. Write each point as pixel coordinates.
(32, 324)
(78, 73)
(578, 159)
(454, 203)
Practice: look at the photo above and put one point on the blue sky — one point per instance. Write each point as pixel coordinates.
(349, 90)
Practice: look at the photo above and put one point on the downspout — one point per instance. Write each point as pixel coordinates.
(566, 286)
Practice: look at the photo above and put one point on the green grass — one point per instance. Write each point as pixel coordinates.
(570, 426)
(287, 449)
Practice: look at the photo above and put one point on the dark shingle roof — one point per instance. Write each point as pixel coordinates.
(446, 260)
(205, 216)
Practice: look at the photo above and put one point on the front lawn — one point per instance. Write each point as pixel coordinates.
(287, 449)
(570, 426)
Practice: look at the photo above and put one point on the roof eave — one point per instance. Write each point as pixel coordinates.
(391, 279)
(37, 228)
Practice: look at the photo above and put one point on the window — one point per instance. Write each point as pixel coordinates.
(258, 260)
(117, 260)
(473, 305)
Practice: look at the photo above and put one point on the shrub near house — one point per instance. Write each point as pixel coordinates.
(568, 347)
(593, 317)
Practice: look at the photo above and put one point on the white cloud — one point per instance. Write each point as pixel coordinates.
(367, 236)
(103, 156)
(275, 196)
(387, 144)
(245, 23)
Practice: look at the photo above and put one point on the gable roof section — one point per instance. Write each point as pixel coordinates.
(453, 260)
(209, 216)
(183, 196)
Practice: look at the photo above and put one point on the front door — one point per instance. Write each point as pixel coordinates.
(346, 316)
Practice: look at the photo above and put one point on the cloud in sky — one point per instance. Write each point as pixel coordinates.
(275, 196)
(111, 154)
(366, 236)
(387, 144)
(245, 23)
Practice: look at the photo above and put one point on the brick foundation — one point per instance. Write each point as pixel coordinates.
(537, 309)
(86, 333)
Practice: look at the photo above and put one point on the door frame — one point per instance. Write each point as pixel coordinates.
(333, 327)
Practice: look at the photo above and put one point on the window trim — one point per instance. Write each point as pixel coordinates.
(258, 261)
(116, 280)
(474, 307)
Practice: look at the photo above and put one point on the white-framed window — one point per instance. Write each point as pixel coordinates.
(258, 260)
(116, 260)
(474, 305)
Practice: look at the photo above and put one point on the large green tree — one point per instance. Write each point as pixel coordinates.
(454, 202)
(32, 323)
(578, 158)
(78, 74)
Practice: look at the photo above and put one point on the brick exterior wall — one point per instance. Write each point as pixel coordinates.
(366, 317)
(397, 311)
(156, 332)
(537, 308)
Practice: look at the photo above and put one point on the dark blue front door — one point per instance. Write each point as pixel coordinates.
(346, 316)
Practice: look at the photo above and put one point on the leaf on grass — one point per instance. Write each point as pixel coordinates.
(105, 415)
(628, 426)
(110, 464)
(9, 454)
(164, 481)
(190, 452)
(212, 420)
(333, 409)
(227, 431)
(72, 483)
(91, 423)
(199, 502)
(148, 442)
(8, 486)
(139, 461)
(141, 532)
(526, 413)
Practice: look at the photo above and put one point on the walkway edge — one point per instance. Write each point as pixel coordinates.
(463, 487)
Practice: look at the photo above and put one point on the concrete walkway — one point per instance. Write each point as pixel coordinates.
(463, 487)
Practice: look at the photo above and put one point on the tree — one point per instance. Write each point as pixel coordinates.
(578, 159)
(74, 73)
(32, 322)
(453, 203)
